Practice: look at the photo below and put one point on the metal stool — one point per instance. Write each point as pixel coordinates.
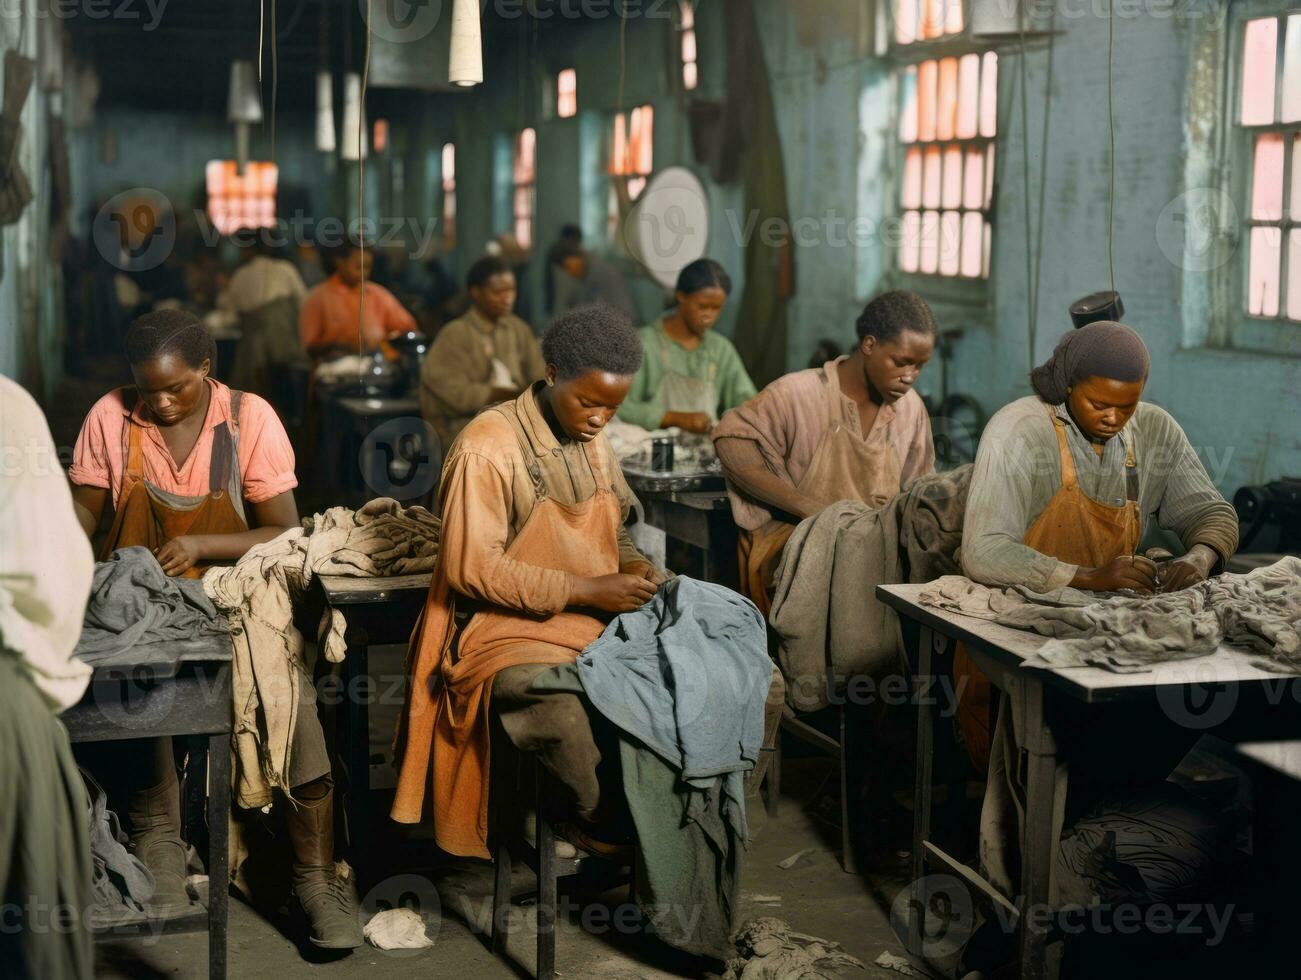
(540, 856)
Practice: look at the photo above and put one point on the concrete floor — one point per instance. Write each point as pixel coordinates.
(814, 895)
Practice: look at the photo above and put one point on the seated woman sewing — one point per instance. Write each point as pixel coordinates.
(534, 563)
(200, 473)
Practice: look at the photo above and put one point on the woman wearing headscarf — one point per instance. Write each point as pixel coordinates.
(1065, 479)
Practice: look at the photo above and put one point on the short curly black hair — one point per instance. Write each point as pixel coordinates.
(890, 314)
(592, 338)
(485, 268)
(169, 332)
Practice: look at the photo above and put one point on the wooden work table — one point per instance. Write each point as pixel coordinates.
(1224, 694)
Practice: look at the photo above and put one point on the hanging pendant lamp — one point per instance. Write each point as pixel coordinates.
(466, 59)
(243, 107)
(353, 145)
(325, 136)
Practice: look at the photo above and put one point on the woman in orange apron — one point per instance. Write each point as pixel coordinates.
(853, 429)
(1064, 480)
(534, 562)
(199, 474)
(1058, 498)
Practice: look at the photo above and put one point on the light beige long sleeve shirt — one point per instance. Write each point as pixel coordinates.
(456, 376)
(788, 419)
(45, 558)
(1018, 470)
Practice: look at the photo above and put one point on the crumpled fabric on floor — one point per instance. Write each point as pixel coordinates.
(1259, 612)
(825, 608)
(258, 593)
(133, 603)
(400, 928)
(120, 882)
(768, 949)
(1159, 844)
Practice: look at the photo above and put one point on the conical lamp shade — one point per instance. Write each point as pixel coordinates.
(325, 141)
(353, 144)
(244, 104)
(466, 60)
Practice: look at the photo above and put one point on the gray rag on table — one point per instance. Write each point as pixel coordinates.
(258, 593)
(136, 612)
(1259, 612)
(825, 608)
(685, 679)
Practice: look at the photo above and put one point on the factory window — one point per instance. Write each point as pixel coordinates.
(567, 94)
(687, 29)
(1269, 118)
(947, 122)
(632, 142)
(526, 155)
(238, 200)
(448, 178)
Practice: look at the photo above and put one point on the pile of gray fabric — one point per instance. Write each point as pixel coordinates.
(134, 603)
(258, 593)
(825, 609)
(1259, 612)
(768, 949)
(121, 885)
(684, 679)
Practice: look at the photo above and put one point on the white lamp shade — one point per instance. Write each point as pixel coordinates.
(466, 59)
(325, 136)
(353, 143)
(244, 104)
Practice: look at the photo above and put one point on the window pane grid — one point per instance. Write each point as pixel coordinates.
(1269, 107)
(238, 201)
(525, 175)
(947, 124)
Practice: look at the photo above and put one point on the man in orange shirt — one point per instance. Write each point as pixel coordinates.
(328, 321)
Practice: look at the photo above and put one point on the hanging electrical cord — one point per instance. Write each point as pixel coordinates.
(1043, 179)
(275, 79)
(623, 53)
(1025, 177)
(1111, 131)
(261, 30)
(361, 191)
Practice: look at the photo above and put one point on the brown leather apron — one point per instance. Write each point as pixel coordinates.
(1073, 528)
(443, 736)
(844, 467)
(149, 516)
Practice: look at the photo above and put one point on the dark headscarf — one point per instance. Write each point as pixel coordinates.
(1100, 350)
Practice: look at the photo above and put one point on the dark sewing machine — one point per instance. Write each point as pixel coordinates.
(1270, 516)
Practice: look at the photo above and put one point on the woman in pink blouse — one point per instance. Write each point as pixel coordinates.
(199, 473)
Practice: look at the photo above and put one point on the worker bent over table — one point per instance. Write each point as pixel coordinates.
(199, 473)
(853, 429)
(1063, 484)
(534, 554)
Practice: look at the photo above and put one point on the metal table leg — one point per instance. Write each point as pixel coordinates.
(1038, 849)
(925, 680)
(218, 868)
(356, 748)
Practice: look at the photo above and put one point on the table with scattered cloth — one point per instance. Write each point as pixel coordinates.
(1176, 697)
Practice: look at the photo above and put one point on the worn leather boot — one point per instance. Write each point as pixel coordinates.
(326, 893)
(155, 815)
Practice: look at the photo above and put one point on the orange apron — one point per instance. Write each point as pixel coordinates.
(443, 736)
(844, 467)
(149, 516)
(1073, 528)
